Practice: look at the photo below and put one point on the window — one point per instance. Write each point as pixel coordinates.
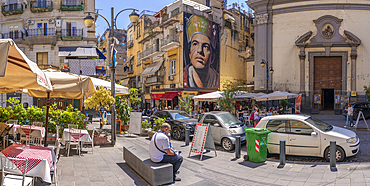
(138, 58)
(138, 31)
(208, 3)
(298, 127)
(172, 67)
(42, 58)
(209, 119)
(172, 85)
(276, 126)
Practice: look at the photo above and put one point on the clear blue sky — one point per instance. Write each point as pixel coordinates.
(123, 20)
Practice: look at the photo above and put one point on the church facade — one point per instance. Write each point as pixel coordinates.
(318, 48)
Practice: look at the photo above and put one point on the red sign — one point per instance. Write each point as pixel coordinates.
(298, 102)
(156, 96)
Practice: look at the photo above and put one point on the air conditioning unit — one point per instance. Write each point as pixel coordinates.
(31, 22)
(171, 78)
(51, 20)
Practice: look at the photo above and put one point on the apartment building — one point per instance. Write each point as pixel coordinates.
(165, 58)
(52, 33)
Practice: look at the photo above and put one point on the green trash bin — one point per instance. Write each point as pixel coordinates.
(256, 144)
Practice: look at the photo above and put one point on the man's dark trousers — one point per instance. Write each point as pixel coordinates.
(174, 160)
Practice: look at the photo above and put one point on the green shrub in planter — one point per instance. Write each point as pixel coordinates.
(158, 123)
(145, 124)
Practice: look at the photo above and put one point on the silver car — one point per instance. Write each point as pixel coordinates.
(224, 128)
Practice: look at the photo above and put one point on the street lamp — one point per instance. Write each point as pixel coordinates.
(89, 22)
(263, 64)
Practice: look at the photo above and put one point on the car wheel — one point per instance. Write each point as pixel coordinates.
(176, 134)
(340, 155)
(227, 144)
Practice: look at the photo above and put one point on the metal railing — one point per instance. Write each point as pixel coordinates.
(154, 79)
(170, 40)
(72, 32)
(150, 50)
(12, 35)
(40, 32)
(41, 4)
(10, 7)
(72, 2)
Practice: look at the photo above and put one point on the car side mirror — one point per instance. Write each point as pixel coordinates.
(216, 125)
(313, 133)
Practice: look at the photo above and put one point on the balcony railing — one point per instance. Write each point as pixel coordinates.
(130, 43)
(40, 32)
(41, 6)
(151, 50)
(72, 34)
(12, 9)
(71, 5)
(165, 18)
(170, 40)
(12, 35)
(154, 79)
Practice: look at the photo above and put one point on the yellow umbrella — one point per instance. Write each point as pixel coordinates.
(18, 72)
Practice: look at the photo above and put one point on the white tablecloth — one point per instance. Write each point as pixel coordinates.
(42, 169)
(84, 138)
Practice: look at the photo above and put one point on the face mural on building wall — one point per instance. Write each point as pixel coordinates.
(201, 52)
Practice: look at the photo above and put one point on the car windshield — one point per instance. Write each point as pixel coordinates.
(319, 124)
(229, 119)
(180, 115)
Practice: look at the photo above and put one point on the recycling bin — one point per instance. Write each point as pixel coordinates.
(256, 144)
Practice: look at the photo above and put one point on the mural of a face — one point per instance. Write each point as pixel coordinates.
(200, 51)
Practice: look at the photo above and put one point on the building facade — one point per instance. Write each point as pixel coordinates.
(52, 33)
(317, 48)
(188, 48)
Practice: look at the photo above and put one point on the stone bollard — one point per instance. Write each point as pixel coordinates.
(282, 152)
(187, 137)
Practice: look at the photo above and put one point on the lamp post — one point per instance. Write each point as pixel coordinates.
(263, 64)
(89, 22)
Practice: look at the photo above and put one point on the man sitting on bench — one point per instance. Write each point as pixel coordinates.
(161, 150)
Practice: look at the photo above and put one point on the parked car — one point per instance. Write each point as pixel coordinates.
(357, 107)
(179, 120)
(224, 128)
(308, 136)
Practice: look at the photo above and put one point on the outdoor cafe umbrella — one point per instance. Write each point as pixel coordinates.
(277, 95)
(120, 90)
(65, 85)
(17, 72)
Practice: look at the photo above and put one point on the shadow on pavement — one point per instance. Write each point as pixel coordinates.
(252, 164)
(197, 157)
(132, 174)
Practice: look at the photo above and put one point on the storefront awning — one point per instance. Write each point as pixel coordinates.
(80, 52)
(156, 96)
(168, 96)
(152, 68)
(125, 82)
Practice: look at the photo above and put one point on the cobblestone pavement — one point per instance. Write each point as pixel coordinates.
(107, 167)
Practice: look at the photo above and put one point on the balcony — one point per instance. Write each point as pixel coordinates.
(41, 6)
(41, 36)
(154, 80)
(12, 9)
(170, 42)
(71, 5)
(130, 44)
(72, 34)
(12, 35)
(151, 51)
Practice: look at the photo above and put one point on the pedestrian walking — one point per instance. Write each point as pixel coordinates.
(349, 116)
(256, 116)
(161, 150)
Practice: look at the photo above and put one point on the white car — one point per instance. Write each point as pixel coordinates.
(308, 136)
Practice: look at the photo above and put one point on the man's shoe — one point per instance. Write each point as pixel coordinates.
(345, 126)
(177, 172)
(177, 179)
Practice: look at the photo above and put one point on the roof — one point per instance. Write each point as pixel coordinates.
(290, 116)
(196, 5)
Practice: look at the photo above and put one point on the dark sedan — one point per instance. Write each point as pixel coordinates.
(179, 120)
(364, 107)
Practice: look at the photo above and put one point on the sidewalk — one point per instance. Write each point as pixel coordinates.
(107, 167)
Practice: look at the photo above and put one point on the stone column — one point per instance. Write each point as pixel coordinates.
(261, 41)
(302, 57)
(353, 68)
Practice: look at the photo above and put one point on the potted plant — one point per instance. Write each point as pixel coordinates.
(145, 125)
(157, 125)
(123, 108)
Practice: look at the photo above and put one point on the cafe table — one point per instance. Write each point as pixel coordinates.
(40, 159)
(67, 135)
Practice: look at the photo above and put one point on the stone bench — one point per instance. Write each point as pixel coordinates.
(154, 173)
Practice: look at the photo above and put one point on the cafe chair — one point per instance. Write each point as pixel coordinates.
(38, 124)
(73, 129)
(26, 135)
(57, 135)
(10, 172)
(92, 140)
(4, 137)
(53, 169)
